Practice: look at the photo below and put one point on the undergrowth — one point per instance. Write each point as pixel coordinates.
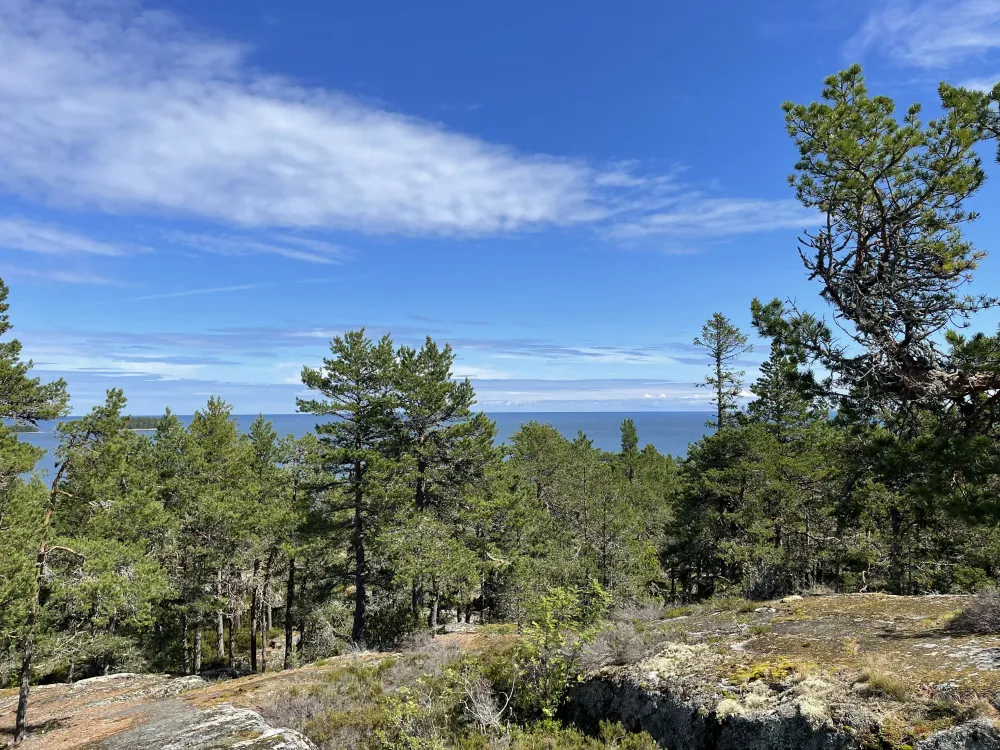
(437, 698)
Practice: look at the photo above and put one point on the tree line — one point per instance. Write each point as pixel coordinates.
(864, 459)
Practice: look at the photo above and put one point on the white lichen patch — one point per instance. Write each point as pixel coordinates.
(679, 659)
(812, 687)
(813, 710)
(728, 707)
(760, 701)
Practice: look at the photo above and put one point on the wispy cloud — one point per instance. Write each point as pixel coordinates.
(57, 275)
(597, 393)
(929, 33)
(289, 246)
(18, 233)
(196, 292)
(699, 216)
(981, 83)
(125, 110)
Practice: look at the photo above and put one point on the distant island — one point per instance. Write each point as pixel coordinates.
(23, 428)
(143, 423)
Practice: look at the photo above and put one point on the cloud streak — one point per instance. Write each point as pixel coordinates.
(57, 275)
(34, 237)
(697, 216)
(196, 292)
(930, 33)
(289, 246)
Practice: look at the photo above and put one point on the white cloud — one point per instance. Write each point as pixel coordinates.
(105, 105)
(698, 216)
(34, 237)
(930, 33)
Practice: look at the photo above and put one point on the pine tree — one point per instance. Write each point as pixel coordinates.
(25, 519)
(77, 439)
(782, 393)
(358, 386)
(724, 343)
(215, 504)
(630, 447)
(113, 535)
(270, 521)
(447, 449)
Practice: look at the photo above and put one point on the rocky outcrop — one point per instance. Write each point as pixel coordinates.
(813, 673)
(973, 735)
(680, 723)
(152, 712)
(175, 727)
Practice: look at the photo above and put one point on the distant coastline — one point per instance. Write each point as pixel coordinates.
(669, 432)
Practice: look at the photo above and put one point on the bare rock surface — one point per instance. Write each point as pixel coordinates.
(973, 735)
(148, 712)
(817, 673)
(174, 725)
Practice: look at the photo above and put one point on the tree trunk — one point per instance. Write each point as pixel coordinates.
(263, 644)
(20, 721)
(196, 664)
(289, 603)
(720, 410)
(187, 646)
(432, 616)
(302, 609)
(265, 608)
(421, 493)
(220, 621)
(230, 644)
(30, 624)
(358, 542)
(896, 566)
(254, 604)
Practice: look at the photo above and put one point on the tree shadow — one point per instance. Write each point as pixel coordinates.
(43, 727)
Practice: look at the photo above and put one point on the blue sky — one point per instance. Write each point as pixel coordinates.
(195, 195)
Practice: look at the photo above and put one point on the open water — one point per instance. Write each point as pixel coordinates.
(669, 432)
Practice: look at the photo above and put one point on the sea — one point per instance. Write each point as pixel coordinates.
(668, 432)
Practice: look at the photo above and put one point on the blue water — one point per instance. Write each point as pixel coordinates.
(669, 432)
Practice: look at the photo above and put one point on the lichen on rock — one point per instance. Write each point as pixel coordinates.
(820, 673)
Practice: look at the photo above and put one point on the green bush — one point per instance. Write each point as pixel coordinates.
(547, 658)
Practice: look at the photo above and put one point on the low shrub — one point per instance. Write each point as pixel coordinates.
(981, 614)
(550, 735)
(639, 613)
(617, 645)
